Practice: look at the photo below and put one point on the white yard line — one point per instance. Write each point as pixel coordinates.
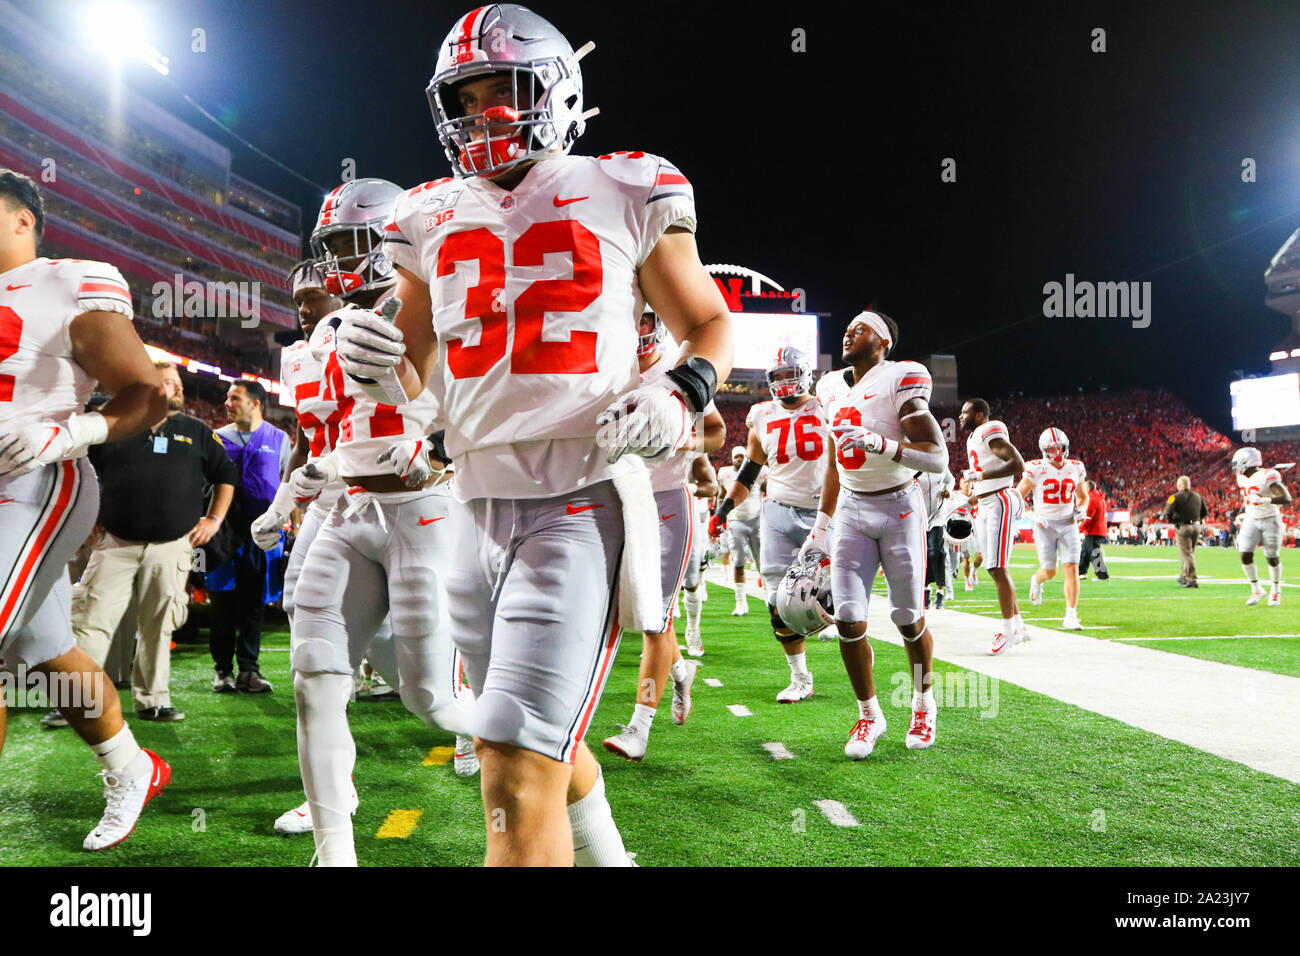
(778, 751)
(1163, 693)
(1208, 637)
(836, 813)
(740, 710)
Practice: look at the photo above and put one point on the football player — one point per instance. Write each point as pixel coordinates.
(969, 550)
(382, 548)
(66, 324)
(520, 281)
(789, 435)
(1262, 492)
(995, 467)
(703, 485)
(660, 657)
(743, 535)
(1059, 496)
(884, 434)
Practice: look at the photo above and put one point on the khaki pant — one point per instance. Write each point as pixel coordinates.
(1188, 536)
(154, 575)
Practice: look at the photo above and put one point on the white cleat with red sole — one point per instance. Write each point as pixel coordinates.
(921, 734)
(126, 801)
(862, 741)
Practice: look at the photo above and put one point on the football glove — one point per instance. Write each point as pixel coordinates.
(306, 483)
(651, 421)
(409, 460)
(41, 443)
(818, 539)
(716, 525)
(267, 526)
(1256, 499)
(972, 475)
(849, 437)
(370, 348)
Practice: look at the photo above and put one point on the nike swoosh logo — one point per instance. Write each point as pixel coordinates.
(570, 509)
(157, 775)
(55, 430)
(872, 395)
(905, 514)
(424, 521)
(10, 288)
(564, 202)
(5, 501)
(666, 517)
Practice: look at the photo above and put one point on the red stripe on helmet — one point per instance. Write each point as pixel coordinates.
(467, 33)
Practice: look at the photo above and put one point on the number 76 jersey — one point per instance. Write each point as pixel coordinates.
(794, 441)
(535, 300)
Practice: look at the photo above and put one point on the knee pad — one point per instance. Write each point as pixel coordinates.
(902, 616)
(779, 628)
(321, 692)
(850, 612)
(498, 717)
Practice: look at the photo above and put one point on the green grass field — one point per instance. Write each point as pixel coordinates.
(1015, 778)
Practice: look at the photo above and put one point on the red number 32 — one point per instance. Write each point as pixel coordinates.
(530, 354)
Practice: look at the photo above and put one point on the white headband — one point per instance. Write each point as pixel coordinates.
(876, 324)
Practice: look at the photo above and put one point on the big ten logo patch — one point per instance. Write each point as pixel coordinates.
(437, 219)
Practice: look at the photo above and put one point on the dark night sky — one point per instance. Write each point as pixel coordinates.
(821, 169)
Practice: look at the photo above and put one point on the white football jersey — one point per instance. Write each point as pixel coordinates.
(320, 400)
(674, 471)
(367, 428)
(1256, 483)
(39, 379)
(980, 456)
(1054, 488)
(535, 303)
(873, 402)
(748, 509)
(794, 441)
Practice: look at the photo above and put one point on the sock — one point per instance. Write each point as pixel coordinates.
(678, 671)
(1252, 575)
(596, 840)
(870, 708)
(1008, 625)
(1275, 575)
(693, 603)
(1019, 622)
(326, 756)
(740, 592)
(796, 662)
(122, 757)
(922, 701)
(642, 718)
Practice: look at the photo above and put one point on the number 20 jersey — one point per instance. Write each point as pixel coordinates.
(535, 302)
(1054, 488)
(794, 441)
(39, 379)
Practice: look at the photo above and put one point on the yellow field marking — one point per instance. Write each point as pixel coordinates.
(399, 824)
(437, 756)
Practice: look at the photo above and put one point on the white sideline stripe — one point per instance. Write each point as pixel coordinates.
(1153, 690)
(1208, 637)
(740, 710)
(1086, 627)
(713, 682)
(836, 812)
(778, 751)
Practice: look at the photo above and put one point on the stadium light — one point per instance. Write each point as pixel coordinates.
(117, 30)
(1276, 356)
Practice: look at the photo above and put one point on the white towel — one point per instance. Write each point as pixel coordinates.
(640, 594)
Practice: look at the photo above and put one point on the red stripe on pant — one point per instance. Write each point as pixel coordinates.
(67, 483)
(686, 560)
(1004, 537)
(602, 667)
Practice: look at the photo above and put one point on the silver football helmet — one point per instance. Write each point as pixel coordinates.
(790, 359)
(1054, 438)
(647, 342)
(545, 79)
(358, 208)
(1244, 458)
(957, 530)
(803, 599)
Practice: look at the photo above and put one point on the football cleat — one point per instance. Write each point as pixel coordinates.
(298, 820)
(1274, 597)
(921, 734)
(1256, 594)
(972, 579)
(1003, 641)
(465, 760)
(1035, 592)
(682, 694)
(800, 688)
(126, 800)
(629, 744)
(694, 642)
(1071, 622)
(864, 736)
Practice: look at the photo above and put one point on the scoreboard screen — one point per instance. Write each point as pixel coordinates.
(759, 335)
(1272, 401)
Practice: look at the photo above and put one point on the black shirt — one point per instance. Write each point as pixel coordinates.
(153, 487)
(1186, 507)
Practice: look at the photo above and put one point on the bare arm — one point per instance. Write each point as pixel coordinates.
(686, 298)
(705, 478)
(712, 432)
(1025, 487)
(1012, 463)
(106, 346)
(204, 529)
(830, 483)
(754, 452)
(298, 457)
(415, 321)
(1279, 493)
(1080, 496)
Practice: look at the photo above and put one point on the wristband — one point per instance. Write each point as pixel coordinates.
(822, 522)
(725, 509)
(889, 448)
(748, 474)
(212, 518)
(697, 380)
